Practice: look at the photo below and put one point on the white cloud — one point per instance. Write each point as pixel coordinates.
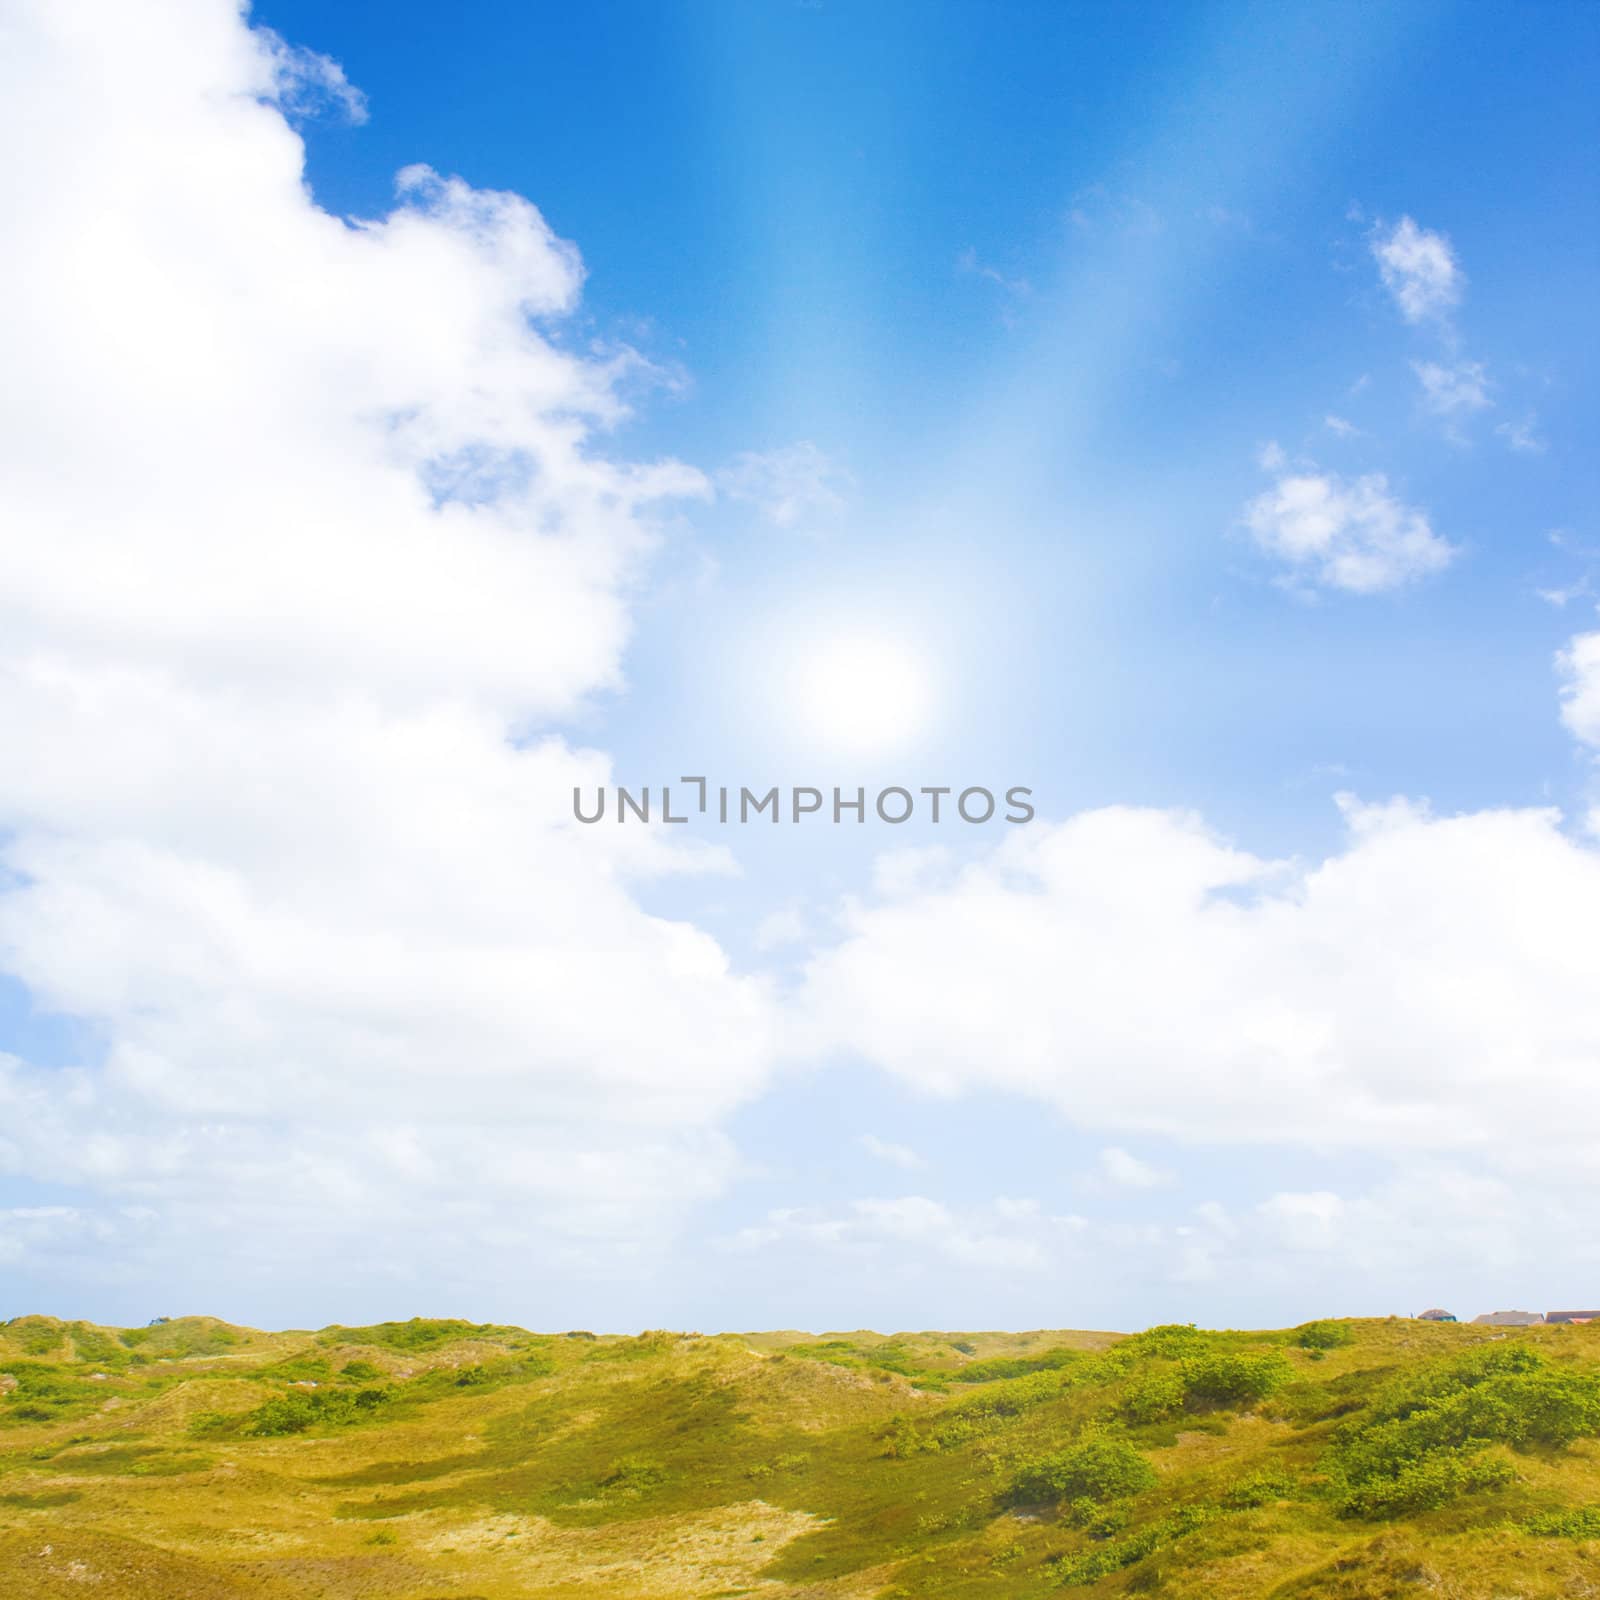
(1453, 391)
(304, 82)
(308, 533)
(790, 487)
(1097, 209)
(896, 1155)
(1350, 534)
(1006, 1236)
(1430, 1231)
(1429, 987)
(1579, 665)
(1420, 271)
(1123, 1171)
(1340, 427)
(785, 926)
(1306, 1221)
(1523, 436)
(969, 264)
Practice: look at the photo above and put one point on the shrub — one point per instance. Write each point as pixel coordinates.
(1088, 1566)
(1154, 1396)
(1259, 1489)
(295, 1413)
(1000, 1367)
(44, 1392)
(1231, 1378)
(38, 1336)
(1172, 1339)
(420, 1333)
(635, 1475)
(1324, 1335)
(1096, 1469)
(1096, 1520)
(1421, 1443)
(1582, 1522)
(93, 1345)
(1424, 1484)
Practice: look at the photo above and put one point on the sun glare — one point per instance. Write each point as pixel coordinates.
(863, 694)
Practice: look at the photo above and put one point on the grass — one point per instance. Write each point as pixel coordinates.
(1357, 1460)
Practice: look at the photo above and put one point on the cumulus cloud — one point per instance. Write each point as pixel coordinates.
(1453, 391)
(1579, 665)
(309, 533)
(1428, 987)
(1420, 271)
(1337, 533)
(792, 487)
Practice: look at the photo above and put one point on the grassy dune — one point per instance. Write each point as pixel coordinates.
(447, 1461)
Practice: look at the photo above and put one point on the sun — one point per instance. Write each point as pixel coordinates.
(863, 694)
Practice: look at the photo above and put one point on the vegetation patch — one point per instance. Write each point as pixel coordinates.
(1429, 1436)
(1581, 1522)
(436, 1457)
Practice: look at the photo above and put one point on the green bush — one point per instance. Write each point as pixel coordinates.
(1259, 1489)
(1425, 1484)
(45, 1392)
(1096, 1469)
(38, 1336)
(94, 1346)
(420, 1333)
(1421, 1442)
(1324, 1335)
(1154, 1396)
(997, 1368)
(1582, 1522)
(1171, 1339)
(1232, 1378)
(635, 1475)
(1089, 1566)
(1097, 1520)
(295, 1413)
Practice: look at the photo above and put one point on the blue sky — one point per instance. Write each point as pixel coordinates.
(779, 200)
(1020, 337)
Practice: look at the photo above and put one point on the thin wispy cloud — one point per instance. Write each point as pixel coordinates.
(1523, 436)
(894, 1155)
(1455, 390)
(794, 487)
(1117, 1169)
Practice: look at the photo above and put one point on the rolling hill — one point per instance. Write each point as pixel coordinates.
(444, 1460)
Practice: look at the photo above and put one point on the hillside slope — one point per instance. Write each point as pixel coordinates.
(439, 1460)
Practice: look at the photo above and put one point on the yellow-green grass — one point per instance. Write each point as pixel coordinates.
(430, 1459)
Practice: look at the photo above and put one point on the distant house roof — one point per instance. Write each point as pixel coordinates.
(1572, 1316)
(1510, 1319)
(1434, 1314)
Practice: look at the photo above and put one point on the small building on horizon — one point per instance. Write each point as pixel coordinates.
(1434, 1314)
(1510, 1319)
(1572, 1316)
